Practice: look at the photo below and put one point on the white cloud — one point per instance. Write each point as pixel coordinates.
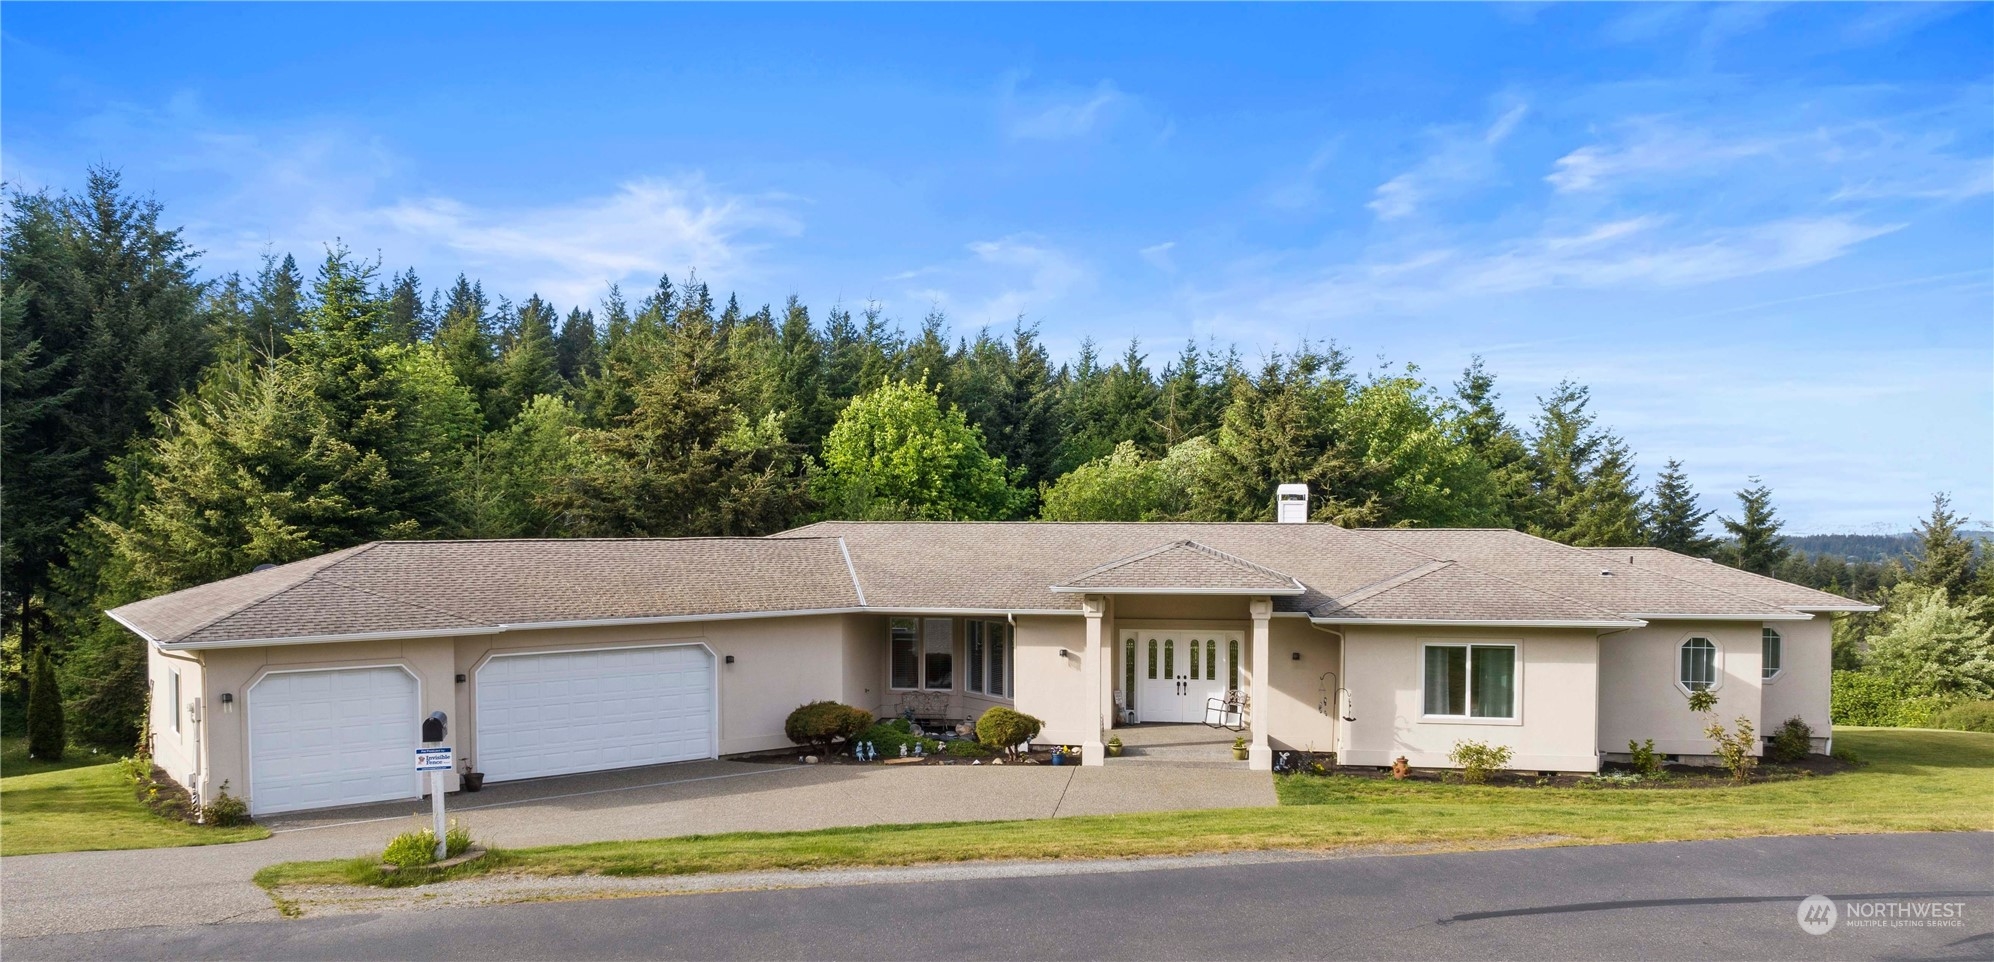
(1059, 117)
(1461, 158)
(1647, 148)
(1158, 256)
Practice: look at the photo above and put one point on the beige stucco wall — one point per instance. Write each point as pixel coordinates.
(1806, 674)
(1051, 687)
(1640, 699)
(172, 750)
(1557, 699)
(1303, 712)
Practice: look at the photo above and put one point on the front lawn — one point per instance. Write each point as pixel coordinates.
(82, 805)
(1911, 780)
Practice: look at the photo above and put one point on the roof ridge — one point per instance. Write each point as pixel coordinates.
(1719, 564)
(400, 601)
(1511, 581)
(357, 549)
(1215, 554)
(1231, 558)
(1383, 585)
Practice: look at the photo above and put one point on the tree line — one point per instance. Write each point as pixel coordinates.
(162, 429)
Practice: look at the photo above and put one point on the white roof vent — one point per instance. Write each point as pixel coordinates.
(1291, 504)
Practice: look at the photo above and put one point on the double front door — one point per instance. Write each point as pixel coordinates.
(1174, 674)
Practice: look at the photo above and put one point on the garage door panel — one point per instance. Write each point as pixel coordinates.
(337, 737)
(564, 712)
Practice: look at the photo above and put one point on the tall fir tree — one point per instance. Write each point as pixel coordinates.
(531, 365)
(1672, 518)
(1487, 431)
(1945, 559)
(406, 320)
(464, 339)
(578, 349)
(1756, 543)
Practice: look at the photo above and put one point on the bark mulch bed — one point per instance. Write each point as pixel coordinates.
(1673, 776)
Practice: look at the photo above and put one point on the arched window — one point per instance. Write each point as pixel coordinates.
(1698, 669)
(1769, 646)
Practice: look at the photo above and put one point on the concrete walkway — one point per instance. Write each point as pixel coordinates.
(91, 891)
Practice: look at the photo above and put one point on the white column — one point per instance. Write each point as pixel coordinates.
(1109, 646)
(1259, 755)
(1094, 676)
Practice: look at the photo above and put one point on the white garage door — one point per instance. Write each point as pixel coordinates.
(323, 738)
(586, 711)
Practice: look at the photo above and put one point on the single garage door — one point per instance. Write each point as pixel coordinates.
(324, 738)
(584, 711)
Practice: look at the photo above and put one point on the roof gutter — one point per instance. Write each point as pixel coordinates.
(1476, 623)
(1683, 616)
(1243, 592)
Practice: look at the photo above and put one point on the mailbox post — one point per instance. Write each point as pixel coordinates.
(435, 759)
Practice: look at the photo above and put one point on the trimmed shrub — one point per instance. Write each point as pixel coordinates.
(822, 722)
(1642, 755)
(226, 810)
(1792, 742)
(1862, 698)
(964, 748)
(1967, 716)
(45, 731)
(1479, 760)
(887, 737)
(1006, 729)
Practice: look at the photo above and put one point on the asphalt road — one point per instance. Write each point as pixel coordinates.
(1703, 900)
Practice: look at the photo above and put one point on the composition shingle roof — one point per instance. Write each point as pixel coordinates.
(1710, 574)
(415, 586)
(1182, 566)
(1337, 574)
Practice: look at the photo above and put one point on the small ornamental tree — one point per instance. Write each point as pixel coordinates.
(1738, 749)
(1007, 728)
(900, 453)
(45, 727)
(1479, 760)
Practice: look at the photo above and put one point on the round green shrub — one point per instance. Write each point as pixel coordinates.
(1967, 716)
(887, 737)
(823, 722)
(1793, 741)
(1006, 728)
(964, 748)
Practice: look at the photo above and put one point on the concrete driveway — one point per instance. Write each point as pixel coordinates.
(91, 891)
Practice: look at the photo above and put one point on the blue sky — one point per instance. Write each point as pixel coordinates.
(1763, 234)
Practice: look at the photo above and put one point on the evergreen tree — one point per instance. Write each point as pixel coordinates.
(1487, 432)
(1409, 460)
(1756, 543)
(577, 350)
(881, 350)
(46, 737)
(930, 356)
(464, 341)
(1280, 426)
(1607, 511)
(406, 321)
(511, 488)
(1583, 490)
(844, 361)
(1186, 399)
(800, 358)
(1029, 440)
(531, 365)
(102, 301)
(1672, 518)
(1945, 560)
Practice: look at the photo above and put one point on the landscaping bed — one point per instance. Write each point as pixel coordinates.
(1612, 775)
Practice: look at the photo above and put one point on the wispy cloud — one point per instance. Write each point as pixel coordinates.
(1040, 115)
(999, 280)
(1460, 157)
(1158, 256)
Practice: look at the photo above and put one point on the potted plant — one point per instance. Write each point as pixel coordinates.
(1114, 746)
(1239, 749)
(472, 780)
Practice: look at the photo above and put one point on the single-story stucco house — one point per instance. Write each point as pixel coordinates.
(302, 686)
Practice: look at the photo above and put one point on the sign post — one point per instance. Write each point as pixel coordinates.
(436, 761)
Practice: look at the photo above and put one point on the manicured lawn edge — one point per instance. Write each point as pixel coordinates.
(93, 808)
(1911, 781)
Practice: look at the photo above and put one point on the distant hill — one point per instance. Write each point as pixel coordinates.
(1871, 547)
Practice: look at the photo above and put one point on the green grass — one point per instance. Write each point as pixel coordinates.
(1912, 780)
(14, 758)
(85, 804)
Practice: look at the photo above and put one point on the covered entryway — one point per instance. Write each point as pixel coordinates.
(332, 737)
(1178, 672)
(557, 713)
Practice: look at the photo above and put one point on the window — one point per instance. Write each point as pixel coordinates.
(1698, 670)
(1128, 672)
(176, 701)
(974, 651)
(1000, 661)
(1169, 659)
(1010, 661)
(1152, 658)
(1769, 665)
(1211, 660)
(1471, 681)
(938, 645)
(1232, 673)
(1192, 650)
(905, 642)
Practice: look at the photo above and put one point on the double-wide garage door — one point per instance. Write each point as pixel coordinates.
(557, 713)
(324, 738)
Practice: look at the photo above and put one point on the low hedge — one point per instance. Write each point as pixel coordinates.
(1967, 716)
(1862, 698)
(888, 736)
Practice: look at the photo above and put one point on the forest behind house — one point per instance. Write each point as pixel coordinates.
(164, 428)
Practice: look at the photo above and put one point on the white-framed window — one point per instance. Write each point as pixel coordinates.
(1769, 647)
(904, 644)
(1469, 681)
(921, 654)
(1696, 665)
(938, 654)
(999, 672)
(176, 699)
